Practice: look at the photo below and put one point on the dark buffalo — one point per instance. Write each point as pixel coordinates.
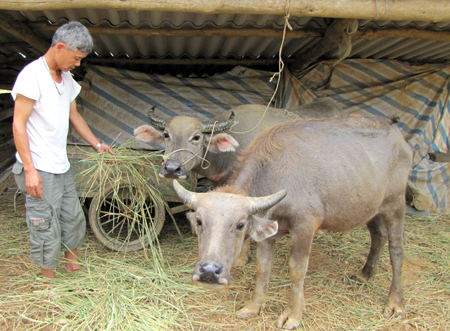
(333, 175)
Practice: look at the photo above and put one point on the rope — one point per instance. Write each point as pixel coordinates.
(345, 47)
(203, 158)
(280, 69)
(385, 9)
(167, 156)
(207, 149)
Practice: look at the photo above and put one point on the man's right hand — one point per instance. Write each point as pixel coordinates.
(33, 182)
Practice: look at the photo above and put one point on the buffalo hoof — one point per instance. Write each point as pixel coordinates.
(240, 262)
(394, 311)
(290, 324)
(287, 321)
(356, 280)
(248, 311)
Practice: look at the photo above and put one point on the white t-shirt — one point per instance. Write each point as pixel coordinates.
(48, 125)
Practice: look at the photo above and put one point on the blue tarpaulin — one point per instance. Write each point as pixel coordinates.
(114, 102)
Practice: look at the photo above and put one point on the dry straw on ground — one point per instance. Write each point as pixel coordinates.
(123, 291)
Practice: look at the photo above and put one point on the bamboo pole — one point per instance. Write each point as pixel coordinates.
(5, 182)
(439, 157)
(270, 33)
(415, 198)
(332, 37)
(25, 33)
(231, 62)
(266, 33)
(5, 114)
(430, 10)
(403, 33)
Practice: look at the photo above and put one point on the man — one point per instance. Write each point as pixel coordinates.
(44, 95)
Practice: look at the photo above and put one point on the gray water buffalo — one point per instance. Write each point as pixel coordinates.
(212, 149)
(334, 174)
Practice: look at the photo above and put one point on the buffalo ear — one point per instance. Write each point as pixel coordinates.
(152, 136)
(262, 228)
(221, 142)
(193, 220)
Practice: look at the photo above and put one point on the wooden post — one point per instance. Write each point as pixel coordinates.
(411, 10)
(415, 198)
(333, 36)
(22, 31)
(439, 157)
(4, 114)
(370, 34)
(5, 182)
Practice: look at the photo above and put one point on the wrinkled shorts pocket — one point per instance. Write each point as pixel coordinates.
(44, 237)
(17, 168)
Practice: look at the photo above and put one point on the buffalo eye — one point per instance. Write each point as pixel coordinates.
(166, 135)
(199, 222)
(196, 137)
(240, 226)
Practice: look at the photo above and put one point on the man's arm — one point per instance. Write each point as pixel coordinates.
(81, 127)
(23, 107)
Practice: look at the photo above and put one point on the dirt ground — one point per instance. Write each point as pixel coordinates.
(332, 302)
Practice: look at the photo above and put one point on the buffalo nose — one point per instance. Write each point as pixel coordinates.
(213, 273)
(172, 169)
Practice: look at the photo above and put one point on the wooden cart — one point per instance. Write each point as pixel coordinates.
(110, 218)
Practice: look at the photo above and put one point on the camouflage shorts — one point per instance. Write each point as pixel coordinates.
(56, 223)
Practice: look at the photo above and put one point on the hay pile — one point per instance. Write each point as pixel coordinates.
(126, 196)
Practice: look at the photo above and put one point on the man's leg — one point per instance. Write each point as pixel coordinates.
(42, 222)
(73, 224)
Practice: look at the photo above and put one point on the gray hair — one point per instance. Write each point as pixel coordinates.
(75, 35)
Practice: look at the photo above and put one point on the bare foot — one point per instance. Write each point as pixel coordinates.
(47, 273)
(72, 267)
(72, 261)
(47, 286)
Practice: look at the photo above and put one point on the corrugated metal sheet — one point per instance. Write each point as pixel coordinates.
(413, 50)
(177, 47)
(254, 47)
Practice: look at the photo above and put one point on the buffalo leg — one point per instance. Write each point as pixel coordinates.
(264, 260)
(395, 228)
(378, 236)
(298, 266)
(243, 256)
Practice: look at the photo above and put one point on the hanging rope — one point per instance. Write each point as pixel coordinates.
(345, 47)
(385, 9)
(207, 149)
(280, 69)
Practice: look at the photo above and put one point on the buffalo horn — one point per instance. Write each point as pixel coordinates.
(156, 121)
(187, 197)
(207, 127)
(260, 204)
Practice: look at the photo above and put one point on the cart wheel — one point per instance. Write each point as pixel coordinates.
(122, 223)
